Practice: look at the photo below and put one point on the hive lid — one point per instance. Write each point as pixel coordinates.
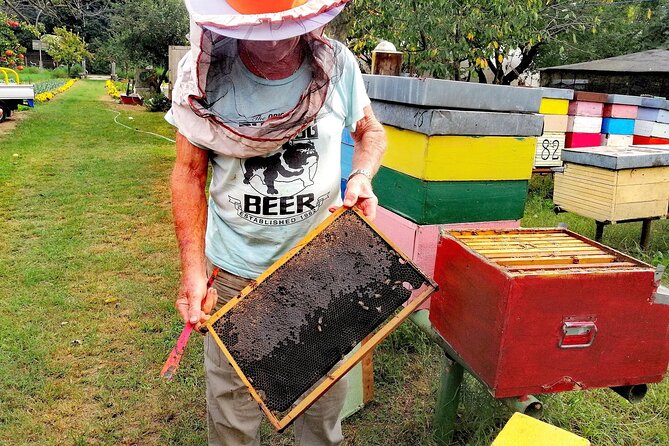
(431, 122)
(438, 93)
(286, 332)
(617, 158)
(664, 147)
(589, 96)
(654, 102)
(624, 99)
(545, 251)
(557, 93)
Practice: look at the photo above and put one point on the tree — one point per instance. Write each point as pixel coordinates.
(457, 38)
(11, 51)
(144, 29)
(623, 28)
(67, 47)
(656, 34)
(89, 18)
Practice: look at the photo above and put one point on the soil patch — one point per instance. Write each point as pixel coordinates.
(10, 124)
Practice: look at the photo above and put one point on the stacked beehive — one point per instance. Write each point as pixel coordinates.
(585, 119)
(458, 154)
(620, 112)
(652, 124)
(554, 107)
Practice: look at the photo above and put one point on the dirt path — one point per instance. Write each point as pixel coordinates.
(10, 124)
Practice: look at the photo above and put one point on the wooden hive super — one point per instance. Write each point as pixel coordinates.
(611, 184)
(546, 310)
(287, 333)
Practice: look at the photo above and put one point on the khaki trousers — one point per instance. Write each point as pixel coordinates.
(233, 417)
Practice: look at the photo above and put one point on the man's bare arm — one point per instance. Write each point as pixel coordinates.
(189, 209)
(370, 145)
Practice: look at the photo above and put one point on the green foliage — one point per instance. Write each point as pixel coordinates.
(76, 70)
(657, 33)
(11, 51)
(142, 30)
(60, 72)
(458, 39)
(157, 103)
(88, 18)
(621, 29)
(67, 47)
(49, 85)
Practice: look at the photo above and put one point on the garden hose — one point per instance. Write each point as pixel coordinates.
(138, 130)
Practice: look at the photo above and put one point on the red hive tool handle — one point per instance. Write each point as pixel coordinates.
(174, 359)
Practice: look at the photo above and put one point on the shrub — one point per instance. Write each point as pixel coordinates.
(60, 72)
(157, 102)
(76, 70)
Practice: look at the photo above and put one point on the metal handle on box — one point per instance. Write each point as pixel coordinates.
(578, 334)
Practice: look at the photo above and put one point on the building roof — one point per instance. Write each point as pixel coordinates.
(651, 61)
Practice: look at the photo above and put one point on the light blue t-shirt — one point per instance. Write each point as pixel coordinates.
(261, 207)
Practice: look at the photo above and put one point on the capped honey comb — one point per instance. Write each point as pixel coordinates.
(288, 329)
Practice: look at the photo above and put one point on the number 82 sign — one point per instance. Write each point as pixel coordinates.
(549, 150)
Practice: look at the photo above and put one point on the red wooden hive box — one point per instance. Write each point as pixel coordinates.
(546, 310)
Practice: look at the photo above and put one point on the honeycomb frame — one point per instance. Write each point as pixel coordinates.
(282, 419)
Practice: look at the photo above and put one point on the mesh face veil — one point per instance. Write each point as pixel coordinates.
(205, 78)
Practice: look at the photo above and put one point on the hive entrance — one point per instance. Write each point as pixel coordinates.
(300, 318)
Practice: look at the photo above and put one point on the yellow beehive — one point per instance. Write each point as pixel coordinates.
(612, 195)
(459, 158)
(550, 106)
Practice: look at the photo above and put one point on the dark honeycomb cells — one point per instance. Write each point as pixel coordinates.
(288, 332)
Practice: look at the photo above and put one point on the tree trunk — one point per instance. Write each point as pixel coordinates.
(522, 66)
(481, 75)
(456, 70)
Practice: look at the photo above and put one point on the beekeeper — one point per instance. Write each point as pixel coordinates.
(264, 97)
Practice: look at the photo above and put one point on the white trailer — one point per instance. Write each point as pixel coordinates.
(13, 94)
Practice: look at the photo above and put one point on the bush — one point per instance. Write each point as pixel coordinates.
(157, 102)
(60, 72)
(76, 70)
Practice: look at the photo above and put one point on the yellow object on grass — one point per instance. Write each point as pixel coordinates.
(551, 106)
(459, 158)
(522, 430)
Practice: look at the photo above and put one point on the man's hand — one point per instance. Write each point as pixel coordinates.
(369, 146)
(195, 301)
(359, 193)
(189, 208)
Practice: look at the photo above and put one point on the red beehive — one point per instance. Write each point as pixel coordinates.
(546, 310)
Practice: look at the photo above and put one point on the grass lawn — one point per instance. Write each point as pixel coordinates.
(88, 274)
(33, 75)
